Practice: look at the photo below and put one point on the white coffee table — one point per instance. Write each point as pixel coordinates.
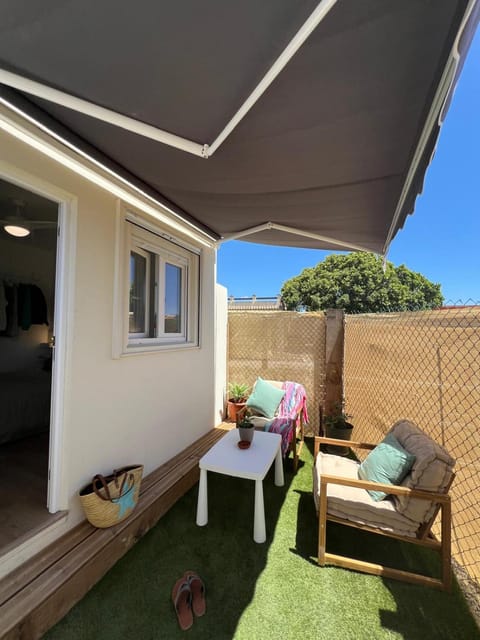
(253, 463)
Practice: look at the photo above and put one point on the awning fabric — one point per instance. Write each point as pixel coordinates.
(332, 146)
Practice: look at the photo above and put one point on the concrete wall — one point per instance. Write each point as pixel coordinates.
(138, 409)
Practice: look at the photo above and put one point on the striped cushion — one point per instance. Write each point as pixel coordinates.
(431, 471)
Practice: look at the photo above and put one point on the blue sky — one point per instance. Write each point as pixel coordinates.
(441, 239)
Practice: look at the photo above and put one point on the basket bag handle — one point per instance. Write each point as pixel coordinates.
(116, 478)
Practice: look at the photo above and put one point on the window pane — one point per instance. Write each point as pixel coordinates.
(173, 299)
(138, 293)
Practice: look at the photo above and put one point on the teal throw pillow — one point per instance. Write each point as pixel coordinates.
(265, 398)
(389, 463)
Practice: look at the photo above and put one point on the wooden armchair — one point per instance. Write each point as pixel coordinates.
(407, 513)
(298, 416)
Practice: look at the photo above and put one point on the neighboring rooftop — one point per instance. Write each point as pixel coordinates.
(256, 303)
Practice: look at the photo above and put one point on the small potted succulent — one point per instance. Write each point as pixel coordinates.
(237, 397)
(337, 426)
(245, 427)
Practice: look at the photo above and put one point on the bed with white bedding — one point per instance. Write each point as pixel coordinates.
(24, 403)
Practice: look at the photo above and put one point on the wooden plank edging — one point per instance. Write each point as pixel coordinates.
(41, 591)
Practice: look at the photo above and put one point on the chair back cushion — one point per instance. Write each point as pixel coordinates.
(265, 398)
(389, 463)
(431, 471)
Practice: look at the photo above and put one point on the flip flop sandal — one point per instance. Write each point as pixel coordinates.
(197, 588)
(182, 601)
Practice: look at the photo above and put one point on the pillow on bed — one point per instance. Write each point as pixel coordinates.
(265, 398)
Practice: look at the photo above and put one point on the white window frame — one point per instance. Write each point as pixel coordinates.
(183, 266)
(143, 254)
(136, 234)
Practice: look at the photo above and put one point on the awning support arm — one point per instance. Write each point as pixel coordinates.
(154, 133)
(100, 113)
(344, 246)
(287, 54)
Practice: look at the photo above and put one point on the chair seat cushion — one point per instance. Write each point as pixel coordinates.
(259, 422)
(431, 471)
(389, 463)
(354, 504)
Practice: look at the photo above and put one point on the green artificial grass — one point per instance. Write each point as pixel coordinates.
(263, 591)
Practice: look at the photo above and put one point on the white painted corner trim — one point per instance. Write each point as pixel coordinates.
(160, 135)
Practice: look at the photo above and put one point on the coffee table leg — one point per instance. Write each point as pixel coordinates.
(202, 504)
(259, 532)
(279, 481)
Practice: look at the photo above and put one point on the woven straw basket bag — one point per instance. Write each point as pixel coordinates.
(108, 500)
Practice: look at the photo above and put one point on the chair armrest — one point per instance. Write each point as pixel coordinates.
(342, 443)
(387, 488)
(298, 419)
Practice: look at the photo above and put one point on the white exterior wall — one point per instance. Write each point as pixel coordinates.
(136, 409)
(221, 320)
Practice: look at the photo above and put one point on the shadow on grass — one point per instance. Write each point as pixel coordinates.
(134, 599)
(250, 586)
(418, 611)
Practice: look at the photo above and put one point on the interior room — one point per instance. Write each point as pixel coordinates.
(28, 241)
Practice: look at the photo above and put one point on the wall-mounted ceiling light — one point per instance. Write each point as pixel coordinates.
(16, 225)
(16, 229)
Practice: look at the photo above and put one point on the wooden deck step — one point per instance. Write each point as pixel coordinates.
(42, 590)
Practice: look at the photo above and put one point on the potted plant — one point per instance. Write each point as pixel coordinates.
(237, 397)
(245, 427)
(337, 426)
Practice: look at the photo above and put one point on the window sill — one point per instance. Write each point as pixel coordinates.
(143, 349)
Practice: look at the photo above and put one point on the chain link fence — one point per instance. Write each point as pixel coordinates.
(424, 366)
(279, 345)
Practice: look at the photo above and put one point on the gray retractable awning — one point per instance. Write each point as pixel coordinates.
(331, 155)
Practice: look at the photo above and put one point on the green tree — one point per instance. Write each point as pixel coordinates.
(358, 283)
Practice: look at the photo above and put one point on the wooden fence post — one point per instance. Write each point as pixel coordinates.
(334, 347)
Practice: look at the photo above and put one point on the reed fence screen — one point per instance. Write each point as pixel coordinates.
(424, 366)
(279, 345)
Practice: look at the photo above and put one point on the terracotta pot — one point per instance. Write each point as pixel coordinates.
(233, 408)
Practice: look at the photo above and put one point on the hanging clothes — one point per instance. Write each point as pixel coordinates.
(24, 306)
(39, 305)
(3, 307)
(11, 294)
(32, 307)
